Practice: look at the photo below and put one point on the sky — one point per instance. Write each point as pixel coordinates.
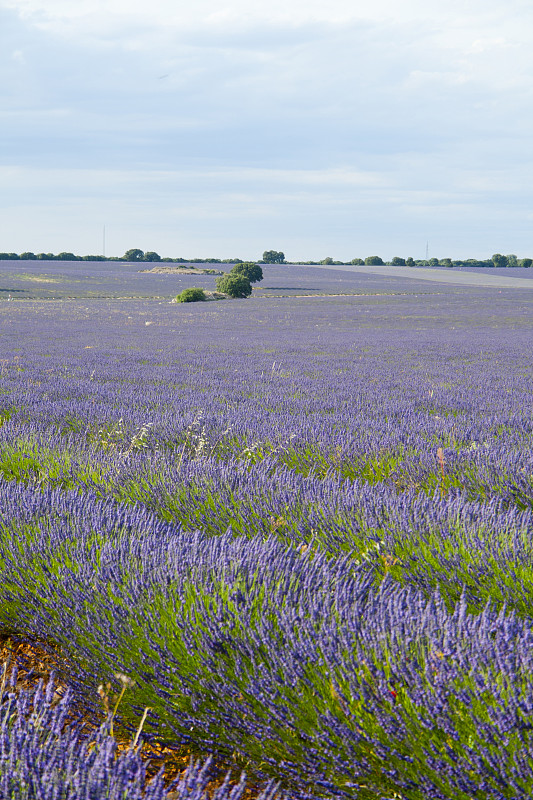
(223, 129)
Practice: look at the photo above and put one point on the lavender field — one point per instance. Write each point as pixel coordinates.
(299, 530)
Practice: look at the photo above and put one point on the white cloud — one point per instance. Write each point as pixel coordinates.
(484, 45)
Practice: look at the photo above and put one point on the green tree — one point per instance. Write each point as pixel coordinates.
(250, 270)
(327, 260)
(191, 295)
(67, 257)
(398, 262)
(234, 285)
(273, 257)
(445, 262)
(133, 255)
(433, 262)
(27, 256)
(374, 261)
(357, 261)
(499, 261)
(410, 262)
(151, 256)
(526, 262)
(512, 260)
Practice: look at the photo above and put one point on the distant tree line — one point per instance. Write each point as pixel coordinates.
(51, 257)
(137, 255)
(497, 260)
(130, 255)
(277, 257)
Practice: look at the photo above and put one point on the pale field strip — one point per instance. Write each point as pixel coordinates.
(438, 276)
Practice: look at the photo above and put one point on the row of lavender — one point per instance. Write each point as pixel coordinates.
(304, 534)
(303, 666)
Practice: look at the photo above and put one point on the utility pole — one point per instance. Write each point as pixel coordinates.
(427, 251)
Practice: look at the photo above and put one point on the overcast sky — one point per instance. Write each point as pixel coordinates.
(213, 128)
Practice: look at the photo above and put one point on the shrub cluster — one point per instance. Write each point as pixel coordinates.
(234, 285)
(191, 295)
(238, 282)
(250, 270)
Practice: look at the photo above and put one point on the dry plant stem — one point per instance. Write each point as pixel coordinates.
(139, 729)
(186, 442)
(440, 456)
(113, 715)
(4, 677)
(189, 431)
